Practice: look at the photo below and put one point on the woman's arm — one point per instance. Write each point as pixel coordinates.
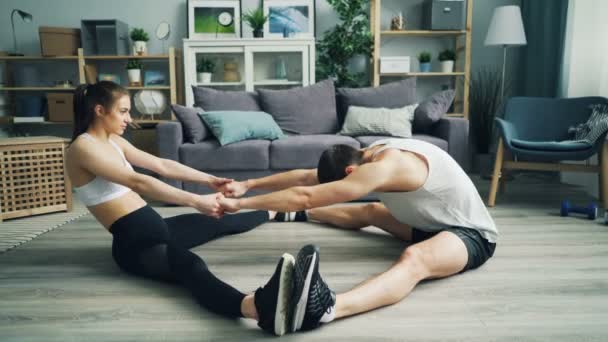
(113, 170)
(168, 168)
(279, 181)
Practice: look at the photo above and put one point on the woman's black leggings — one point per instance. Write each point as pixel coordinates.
(147, 245)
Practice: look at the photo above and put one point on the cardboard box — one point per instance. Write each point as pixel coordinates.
(59, 41)
(61, 107)
(394, 65)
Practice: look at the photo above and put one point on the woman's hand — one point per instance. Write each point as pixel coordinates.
(229, 205)
(234, 189)
(208, 205)
(217, 183)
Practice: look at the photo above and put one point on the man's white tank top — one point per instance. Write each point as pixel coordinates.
(447, 199)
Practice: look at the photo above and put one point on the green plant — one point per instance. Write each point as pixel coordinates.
(424, 57)
(485, 103)
(138, 34)
(205, 65)
(347, 39)
(133, 64)
(447, 55)
(255, 19)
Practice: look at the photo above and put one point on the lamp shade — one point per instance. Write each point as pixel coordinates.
(506, 27)
(25, 16)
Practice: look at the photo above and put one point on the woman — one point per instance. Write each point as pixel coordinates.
(144, 244)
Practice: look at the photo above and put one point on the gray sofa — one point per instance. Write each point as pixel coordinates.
(258, 158)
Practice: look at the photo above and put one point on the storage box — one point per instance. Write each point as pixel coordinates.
(61, 107)
(33, 179)
(393, 65)
(59, 41)
(444, 14)
(105, 37)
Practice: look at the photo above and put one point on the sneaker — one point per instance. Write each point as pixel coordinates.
(292, 216)
(273, 300)
(311, 297)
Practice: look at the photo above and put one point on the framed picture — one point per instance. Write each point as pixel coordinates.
(109, 77)
(209, 19)
(154, 78)
(289, 18)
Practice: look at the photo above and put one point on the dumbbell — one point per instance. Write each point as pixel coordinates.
(590, 210)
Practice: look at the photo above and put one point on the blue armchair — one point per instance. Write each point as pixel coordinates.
(533, 136)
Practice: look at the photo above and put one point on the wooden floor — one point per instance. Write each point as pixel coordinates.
(548, 281)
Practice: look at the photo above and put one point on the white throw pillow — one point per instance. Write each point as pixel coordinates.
(395, 122)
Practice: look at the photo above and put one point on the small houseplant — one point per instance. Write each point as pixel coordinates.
(139, 38)
(134, 67)
(205, 70)
(425, 61)
(447, 58)
(256, 20)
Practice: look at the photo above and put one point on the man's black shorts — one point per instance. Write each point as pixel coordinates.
(478, 248)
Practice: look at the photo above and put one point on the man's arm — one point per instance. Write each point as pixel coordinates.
(275, 182)
(363, 180)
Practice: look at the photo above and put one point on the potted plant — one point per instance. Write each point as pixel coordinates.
(425, 61)
(205, 70)
(256, 20)
(134, 72)
(447, 58)
(139, 38)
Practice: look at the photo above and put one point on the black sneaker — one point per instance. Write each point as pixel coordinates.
(311, 296)
(291, 216)
(273, 300)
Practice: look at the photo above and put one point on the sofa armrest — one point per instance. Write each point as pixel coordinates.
(169, 138)
(456, 132)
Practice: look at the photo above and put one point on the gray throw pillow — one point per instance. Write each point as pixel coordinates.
(211, 100)
(390, 95)
(193, 127)
(395, 122)
(432, 109)
(303, 110)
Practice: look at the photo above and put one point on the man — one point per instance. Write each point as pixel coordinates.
(426, 198)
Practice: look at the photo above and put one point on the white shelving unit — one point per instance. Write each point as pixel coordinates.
(257, 60)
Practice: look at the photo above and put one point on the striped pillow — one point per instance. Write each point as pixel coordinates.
(596, 125)
(395, 122)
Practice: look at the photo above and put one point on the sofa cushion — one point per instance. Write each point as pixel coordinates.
(192, 125)
(395, 122)
(209, 155)
(303, 151)
(233, 126)
(390, 95)
(432, 109)
(365, 141)
(211, 99)
(303, 110)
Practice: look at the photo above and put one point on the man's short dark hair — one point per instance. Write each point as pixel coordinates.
(334, 160)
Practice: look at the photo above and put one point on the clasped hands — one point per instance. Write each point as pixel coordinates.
(225, 200)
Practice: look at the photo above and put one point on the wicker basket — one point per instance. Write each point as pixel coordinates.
(33, 179)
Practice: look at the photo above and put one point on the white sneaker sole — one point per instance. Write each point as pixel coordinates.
(281, 316)
(300, 308)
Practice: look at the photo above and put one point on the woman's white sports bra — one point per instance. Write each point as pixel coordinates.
(100, 190)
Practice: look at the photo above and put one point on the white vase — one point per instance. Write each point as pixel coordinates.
(447, 66)
(134, 75)
(139, 48)
(203, 77)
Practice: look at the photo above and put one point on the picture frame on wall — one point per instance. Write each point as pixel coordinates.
(211, 19)
(289, 18)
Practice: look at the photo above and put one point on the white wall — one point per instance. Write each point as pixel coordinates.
(585, 69)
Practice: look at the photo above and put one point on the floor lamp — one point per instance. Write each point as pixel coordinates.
(506, 30)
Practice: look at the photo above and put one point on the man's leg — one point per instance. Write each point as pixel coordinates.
(443, 255)
(359, 216)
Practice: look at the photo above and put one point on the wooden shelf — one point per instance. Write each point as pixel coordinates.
(220, 84)
(159, 57)
(275, 82)
(34, 58)
(455, 115)
(424, 74)
(149, 88)
(423, 33)
(37, 88)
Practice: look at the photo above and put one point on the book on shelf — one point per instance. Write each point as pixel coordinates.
(18, 119)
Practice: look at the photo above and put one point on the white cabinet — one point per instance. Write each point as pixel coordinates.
(250, 64)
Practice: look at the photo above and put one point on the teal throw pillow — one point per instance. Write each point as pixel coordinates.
(234, 126)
